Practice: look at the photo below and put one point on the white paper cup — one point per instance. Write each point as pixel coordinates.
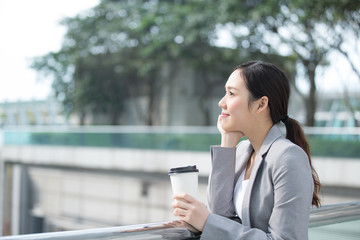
(184, 180)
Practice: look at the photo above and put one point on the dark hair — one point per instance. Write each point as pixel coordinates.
(265, 79)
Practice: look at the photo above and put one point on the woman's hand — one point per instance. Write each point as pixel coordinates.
(228, 139)
(181, 223)
(190, 210)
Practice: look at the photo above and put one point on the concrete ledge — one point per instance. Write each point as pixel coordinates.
(108, 158)
(332, 171)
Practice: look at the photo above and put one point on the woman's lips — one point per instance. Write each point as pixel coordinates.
(224, 115)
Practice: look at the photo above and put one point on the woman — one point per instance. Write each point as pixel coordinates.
(263, 187)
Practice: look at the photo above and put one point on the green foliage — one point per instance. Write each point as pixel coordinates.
(120, 49)
(304, 29)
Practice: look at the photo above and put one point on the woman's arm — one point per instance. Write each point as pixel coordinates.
(219, 193)
(220, 189)
(222, 176)
(221, 182)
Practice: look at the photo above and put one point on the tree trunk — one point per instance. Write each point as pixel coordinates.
(311, 100)
(114, 117)
(204, 96)
(151, 103)
(82, 117)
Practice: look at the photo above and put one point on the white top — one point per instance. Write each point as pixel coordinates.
(239, 193)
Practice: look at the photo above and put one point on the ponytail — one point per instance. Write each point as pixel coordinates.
(296, 135)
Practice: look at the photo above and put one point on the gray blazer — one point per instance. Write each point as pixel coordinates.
(277, 201)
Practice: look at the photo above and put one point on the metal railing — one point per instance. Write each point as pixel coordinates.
(325, 215)
(143, 231)
(335, 213)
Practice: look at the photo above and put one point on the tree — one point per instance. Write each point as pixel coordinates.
(293, 28)
(85, 85)
(120, 49)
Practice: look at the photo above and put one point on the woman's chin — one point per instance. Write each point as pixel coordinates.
(231, 129)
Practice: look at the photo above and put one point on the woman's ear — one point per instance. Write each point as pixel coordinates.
(262, 104)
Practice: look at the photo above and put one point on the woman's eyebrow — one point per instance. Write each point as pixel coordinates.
(231, 88)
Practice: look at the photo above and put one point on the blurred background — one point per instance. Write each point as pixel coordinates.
(98, 99)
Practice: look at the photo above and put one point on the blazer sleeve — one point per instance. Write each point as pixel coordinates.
(221, 181)
(221, 228)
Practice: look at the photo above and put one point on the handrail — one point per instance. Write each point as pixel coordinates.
(324, 215)
(162, 230)
(334, 213)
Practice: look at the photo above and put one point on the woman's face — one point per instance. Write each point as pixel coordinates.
(235, 115)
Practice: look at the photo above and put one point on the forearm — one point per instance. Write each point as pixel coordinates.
(218, 227)
(221, 181)
(230, 140)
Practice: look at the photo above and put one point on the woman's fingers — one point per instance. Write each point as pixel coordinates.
(184, 196)
(179, 212)
(179, 204)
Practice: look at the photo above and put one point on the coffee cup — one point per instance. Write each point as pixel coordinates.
(184, 180)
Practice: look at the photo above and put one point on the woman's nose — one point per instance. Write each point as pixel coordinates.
(222, 103)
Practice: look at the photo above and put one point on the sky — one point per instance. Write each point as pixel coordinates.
(31, 28)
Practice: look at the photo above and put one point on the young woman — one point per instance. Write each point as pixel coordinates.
(263, 187)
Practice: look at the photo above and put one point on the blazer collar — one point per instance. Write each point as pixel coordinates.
(273, 134)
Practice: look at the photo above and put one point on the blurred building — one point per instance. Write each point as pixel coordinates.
(36, 112)
(182, 101)
(338, 110)
(179, 105)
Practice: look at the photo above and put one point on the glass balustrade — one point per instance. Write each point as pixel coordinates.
(323, 142)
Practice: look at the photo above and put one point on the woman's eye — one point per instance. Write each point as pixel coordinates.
(230, 93)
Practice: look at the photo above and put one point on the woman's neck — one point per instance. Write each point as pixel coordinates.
(258, 136)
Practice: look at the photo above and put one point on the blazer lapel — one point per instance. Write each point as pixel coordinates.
(273, 134)
(242, 161)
